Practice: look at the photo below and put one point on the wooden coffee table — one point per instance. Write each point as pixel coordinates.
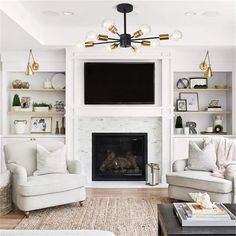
(168, 224)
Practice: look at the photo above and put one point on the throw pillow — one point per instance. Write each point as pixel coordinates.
(50, 162)
(201, 159)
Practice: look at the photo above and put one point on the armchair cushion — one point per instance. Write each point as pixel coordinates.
(50, 162)
(201, 180)
(201, 159)
(52, 183)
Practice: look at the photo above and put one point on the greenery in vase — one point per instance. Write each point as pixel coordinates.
(42, 104)
(16, 101)
(178, 123)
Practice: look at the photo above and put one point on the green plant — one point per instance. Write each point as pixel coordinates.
(178, 123)
(16, 101)
(42, 104)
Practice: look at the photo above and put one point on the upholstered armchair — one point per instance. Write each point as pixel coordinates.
(182, 182)
(35, 192)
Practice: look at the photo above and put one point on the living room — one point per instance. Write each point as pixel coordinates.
(114, 114)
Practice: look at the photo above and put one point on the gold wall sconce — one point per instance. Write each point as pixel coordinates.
(206, 67)
(31, 68)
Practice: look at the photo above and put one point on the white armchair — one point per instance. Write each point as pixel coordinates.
(36, 192)
(182, 182)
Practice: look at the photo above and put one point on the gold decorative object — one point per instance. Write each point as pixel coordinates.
(206, 67)
(125, 39)
(25, 85)
(17, 84)
(31, 68)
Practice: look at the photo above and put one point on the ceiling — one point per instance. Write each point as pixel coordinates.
(43, 22)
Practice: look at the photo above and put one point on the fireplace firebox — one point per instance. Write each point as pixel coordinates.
(119, 156)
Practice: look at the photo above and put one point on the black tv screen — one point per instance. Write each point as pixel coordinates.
(119, 83)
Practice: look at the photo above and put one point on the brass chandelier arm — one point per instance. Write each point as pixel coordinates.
(114, 41)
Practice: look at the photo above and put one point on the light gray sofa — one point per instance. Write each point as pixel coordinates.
(36, 192)
(182, 182)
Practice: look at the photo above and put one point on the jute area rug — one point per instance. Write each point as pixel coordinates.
(125, 216)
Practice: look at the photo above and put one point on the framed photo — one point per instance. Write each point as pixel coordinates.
(198, 83)
(25, 102)
(181, 105)
(41, 125)
(192, 101)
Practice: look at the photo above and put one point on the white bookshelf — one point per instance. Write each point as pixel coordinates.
(202, 117)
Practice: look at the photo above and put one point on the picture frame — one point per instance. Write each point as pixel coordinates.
(41, 125)
(181, 105)
(25, 102)
(192, 101)
(198, 83)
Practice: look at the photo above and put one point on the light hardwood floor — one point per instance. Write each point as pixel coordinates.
(11, 220)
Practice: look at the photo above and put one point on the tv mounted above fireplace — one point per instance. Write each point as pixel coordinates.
(119, 83)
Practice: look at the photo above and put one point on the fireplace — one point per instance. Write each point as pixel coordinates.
(119, 156)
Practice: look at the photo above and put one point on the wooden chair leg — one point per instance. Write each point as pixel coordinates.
(81, 203)
(26, 213)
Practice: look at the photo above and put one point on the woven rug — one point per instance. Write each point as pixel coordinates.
(125, 216)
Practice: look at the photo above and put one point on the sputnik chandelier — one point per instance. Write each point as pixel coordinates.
(126, 40)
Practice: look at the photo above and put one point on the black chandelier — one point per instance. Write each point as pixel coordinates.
(126, 40)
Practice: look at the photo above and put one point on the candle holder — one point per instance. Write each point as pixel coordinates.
(152, 174)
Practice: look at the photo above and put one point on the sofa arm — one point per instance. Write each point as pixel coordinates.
(19, 173)
(74, 166)
(230, 174)
(179, 165)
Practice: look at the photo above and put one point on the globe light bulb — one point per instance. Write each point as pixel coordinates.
(91, 36)
(108, 23)
(145, 29)
(176, 35)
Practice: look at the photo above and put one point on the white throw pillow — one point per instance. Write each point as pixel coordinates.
(201, 159)
(50, 162)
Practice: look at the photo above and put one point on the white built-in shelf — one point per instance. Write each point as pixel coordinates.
(203, 90)
(37, 90)
(201, 135)
(33, 113)
(204, 112)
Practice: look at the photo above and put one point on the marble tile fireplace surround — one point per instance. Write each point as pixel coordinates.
(151, 126)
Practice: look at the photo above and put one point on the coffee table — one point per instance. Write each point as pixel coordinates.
(168, 224)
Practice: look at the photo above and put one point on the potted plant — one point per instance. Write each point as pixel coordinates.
(16, 103)
(179, 125)
(41, 107)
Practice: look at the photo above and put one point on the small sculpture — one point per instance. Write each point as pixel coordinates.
(202, 199)
(57, 128)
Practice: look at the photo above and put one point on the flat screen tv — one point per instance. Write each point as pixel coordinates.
(119, 83)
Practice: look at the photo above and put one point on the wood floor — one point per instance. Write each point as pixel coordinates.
(11, 220)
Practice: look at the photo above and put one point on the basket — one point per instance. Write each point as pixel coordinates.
(5, 199)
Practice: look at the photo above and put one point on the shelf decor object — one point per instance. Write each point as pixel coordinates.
(206, 67)
(31, 68)
(41, 125)
(58, 81)
(127, 40)
(16, 103)
(179, 125)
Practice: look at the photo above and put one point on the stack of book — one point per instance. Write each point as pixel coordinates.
(192, 214)
(214, 108)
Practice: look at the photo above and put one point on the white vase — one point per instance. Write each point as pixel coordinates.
(41, 109)
(20, 126)
(179, 130)
(16, 108)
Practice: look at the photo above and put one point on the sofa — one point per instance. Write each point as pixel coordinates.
(41, 191)
(183, 181)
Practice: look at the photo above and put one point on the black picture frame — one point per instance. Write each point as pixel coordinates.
(179, 106)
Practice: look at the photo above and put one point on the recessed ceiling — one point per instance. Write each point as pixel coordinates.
(164, 16)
